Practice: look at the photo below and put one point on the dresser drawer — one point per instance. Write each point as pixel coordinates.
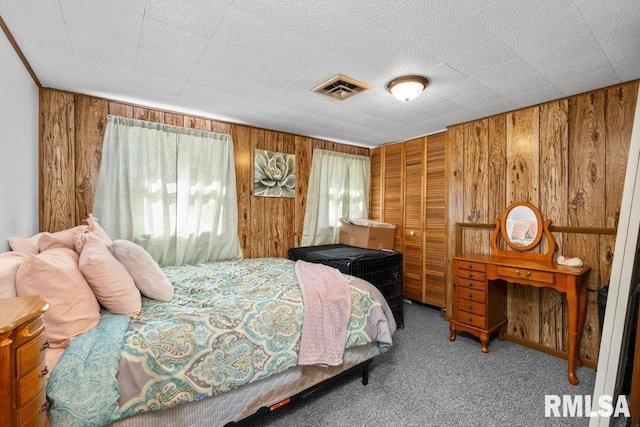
(27, 331)
(34, 412)
(472, 319)
(30, 384)
(30, 355)
(470, 274)
(472, 307)
(472, 295)
(470, 265)
(523, 273)
(465, 283)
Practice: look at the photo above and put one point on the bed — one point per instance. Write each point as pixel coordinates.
(225, 348)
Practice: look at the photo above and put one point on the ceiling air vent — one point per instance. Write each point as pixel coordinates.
(341, 87)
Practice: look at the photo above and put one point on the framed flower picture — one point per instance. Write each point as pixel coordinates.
(274, 174)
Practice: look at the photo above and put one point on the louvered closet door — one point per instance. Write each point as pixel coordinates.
(435, 250)
(375, 201)
(412, 250)
(392, 211)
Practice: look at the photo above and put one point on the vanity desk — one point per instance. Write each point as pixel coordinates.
(479, 281)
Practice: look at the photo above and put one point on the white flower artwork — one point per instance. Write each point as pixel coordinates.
(274, 174)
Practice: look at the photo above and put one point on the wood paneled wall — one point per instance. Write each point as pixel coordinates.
(568, 158)
(71, 132)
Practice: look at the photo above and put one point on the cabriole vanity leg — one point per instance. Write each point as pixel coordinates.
(452, 331)
(502, 332)
(484, 339)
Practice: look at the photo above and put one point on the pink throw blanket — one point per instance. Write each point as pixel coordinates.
(327, 309)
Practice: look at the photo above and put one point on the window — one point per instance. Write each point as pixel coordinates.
(169, 189)
(338, 187)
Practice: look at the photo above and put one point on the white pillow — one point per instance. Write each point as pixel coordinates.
(147, 274)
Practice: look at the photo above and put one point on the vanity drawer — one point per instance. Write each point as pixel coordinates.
(473, 275)
(523, 273)
(470, 265)
(27, 331)
(473, 295)
(30, 355)
(472, 307)
(34, 412)
(30, 384)
(472, 319)
(465, 283)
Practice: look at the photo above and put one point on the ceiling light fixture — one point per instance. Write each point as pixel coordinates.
(407, 88)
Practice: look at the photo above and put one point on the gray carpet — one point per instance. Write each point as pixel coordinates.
(428, 381)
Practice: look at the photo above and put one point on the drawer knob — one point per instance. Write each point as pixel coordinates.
(527, 273)
(45, 346)
(470, 319)
(518, 272)
(44, 372)
(470, 307)
(470, 285)
(470, 295)
(470, 266)
(470, 275)
(412, 233)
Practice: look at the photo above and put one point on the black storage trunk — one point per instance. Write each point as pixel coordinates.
(383, 269)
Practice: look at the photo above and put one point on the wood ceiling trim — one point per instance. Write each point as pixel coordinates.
(13, 42)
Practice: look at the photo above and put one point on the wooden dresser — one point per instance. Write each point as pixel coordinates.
(22, 362)
(479, 283)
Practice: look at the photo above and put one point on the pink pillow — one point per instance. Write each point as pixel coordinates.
(97, 230)
(60, 239)
(9, 264)
(146, 273)
(520, 229)
(28, 245)
(54, 274)
(110, 282)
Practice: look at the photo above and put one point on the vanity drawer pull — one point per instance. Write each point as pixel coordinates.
(44, 372)
(45, 346)
(45, 406)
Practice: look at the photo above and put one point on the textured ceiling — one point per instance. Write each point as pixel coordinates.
(255, 62)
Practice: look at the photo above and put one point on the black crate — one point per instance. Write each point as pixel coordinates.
(383, 269)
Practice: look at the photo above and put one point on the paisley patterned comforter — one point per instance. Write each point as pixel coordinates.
(230, 323)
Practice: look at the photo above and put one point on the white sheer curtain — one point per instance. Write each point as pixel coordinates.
(338, 187)
(172, 190)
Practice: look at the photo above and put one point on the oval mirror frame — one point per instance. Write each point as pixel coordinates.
(518, 222)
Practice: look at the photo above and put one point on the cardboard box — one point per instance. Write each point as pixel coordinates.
(367, 237)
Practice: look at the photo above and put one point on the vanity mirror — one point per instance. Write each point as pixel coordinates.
(521, 227)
